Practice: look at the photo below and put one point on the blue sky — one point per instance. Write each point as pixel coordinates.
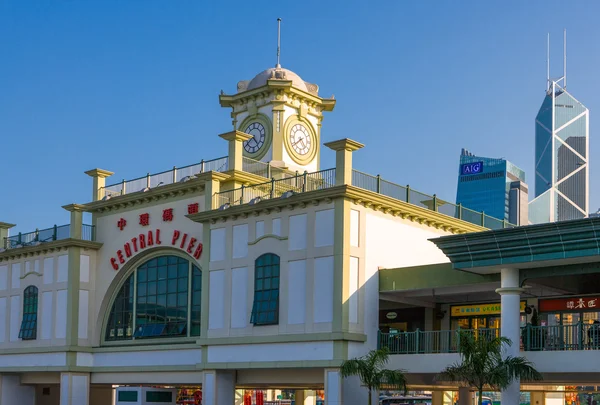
(132, 86)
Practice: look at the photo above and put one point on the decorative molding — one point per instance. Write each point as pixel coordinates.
(47, 247)
(267, 237)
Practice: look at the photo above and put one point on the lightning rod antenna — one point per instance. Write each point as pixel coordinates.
(548, 63)
(565, 59)
(278, 41)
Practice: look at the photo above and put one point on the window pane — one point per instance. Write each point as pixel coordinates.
(265, 309)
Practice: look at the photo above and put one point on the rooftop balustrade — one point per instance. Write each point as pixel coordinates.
(431, 202)
(40, 236)
(580, 336)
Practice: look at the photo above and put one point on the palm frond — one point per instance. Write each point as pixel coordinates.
(521, 368)
(458, 372)
(390, 379)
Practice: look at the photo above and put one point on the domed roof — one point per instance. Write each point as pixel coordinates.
(277, 73)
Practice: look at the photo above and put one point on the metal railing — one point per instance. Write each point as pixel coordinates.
(276, 188)
(431, 202)
(265, 169)
(580, 336)
(174, 175)
(88, 232)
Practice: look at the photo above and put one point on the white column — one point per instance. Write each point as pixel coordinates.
(310, 398)
(510, 299)
(333, 387)
(464, 396)
(74, 389)
(218, 387)
(13, 393)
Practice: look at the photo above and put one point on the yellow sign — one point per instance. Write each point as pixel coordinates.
(480, 309)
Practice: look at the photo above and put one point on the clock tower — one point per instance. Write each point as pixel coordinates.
(283, 114)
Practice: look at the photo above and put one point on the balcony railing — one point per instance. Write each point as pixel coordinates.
(174, 175)
(580, 336)
(46, 235)
(431, 202)
(276, 188)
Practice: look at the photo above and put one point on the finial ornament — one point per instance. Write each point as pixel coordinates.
(278, 42)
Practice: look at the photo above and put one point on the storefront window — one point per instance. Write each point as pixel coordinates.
(155, 302)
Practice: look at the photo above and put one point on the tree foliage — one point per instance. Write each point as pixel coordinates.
(372, 372)
(483, 365)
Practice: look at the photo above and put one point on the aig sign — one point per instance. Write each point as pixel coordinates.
(471, 168)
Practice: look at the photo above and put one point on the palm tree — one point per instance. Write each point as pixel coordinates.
(370, 369)
(482, 365)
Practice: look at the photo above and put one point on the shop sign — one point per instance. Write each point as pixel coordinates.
(153, 238)
(480, 309)
(391, 315)
(568, 304)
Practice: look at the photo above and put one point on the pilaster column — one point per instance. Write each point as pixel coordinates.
(343, 159)
(4, 227)
(74, 389)
(333, 387)
(464, 396)
(13, 393)
(236, 141)
(299, 397)
(212, 185)
(218, 387)
(437, 397)
(76, 210)
(99, 177)
(510, 296)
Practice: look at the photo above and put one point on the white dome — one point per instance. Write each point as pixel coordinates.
(277, 74)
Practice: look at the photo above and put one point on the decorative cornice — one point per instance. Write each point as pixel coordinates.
(99, 173)
(236, 136)
(360, 196)
(344, 144)
(6, 225)
(267, 237)
(47, 247)
(74, 207)
(154, 194)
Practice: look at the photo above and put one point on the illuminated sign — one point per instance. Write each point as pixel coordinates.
(480, 309)
(471, 168)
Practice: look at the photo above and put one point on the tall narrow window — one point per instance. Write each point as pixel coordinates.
(155, 301)
(28, 329)
(265, 310)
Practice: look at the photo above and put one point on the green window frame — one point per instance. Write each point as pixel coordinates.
(28, 329)
(265, 310)
(155, 301)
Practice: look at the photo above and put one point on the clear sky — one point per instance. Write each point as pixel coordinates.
(132, 86)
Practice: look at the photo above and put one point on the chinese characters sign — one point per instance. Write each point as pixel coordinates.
(167, 216)
(570, 304)
(480, 309)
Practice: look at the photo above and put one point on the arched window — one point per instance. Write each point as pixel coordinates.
(265, 310)
(155, 302)
(28, 329)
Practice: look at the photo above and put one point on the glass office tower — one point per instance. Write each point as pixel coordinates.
(561, 158)
(495, 186)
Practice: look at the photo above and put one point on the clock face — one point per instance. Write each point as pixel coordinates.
(257, 141)
(300, 139)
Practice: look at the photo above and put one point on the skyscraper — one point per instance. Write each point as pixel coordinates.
(494, 186)
(561, 155)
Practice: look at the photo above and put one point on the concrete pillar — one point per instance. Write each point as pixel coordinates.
(537, 398)
(464, 396)
(218, 387)
(13, 393)
(75, 229)
(343, 159)
(437, 397)
(310, 398)
(333, 387)
(510, 299)
(99, 177)
(74, 389)
(4, 227)
(236, 141)
(299, 397)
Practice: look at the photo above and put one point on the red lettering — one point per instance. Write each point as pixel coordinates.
(183, 240)
(158, 241)
(127, 248)
(191, 245)
(198, 251)
(114, 264)
(175, 237)
(142, 238)
(134, 241)
(120, 256)
(150, 239)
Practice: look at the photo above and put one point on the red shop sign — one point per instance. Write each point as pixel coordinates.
(570, 304)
